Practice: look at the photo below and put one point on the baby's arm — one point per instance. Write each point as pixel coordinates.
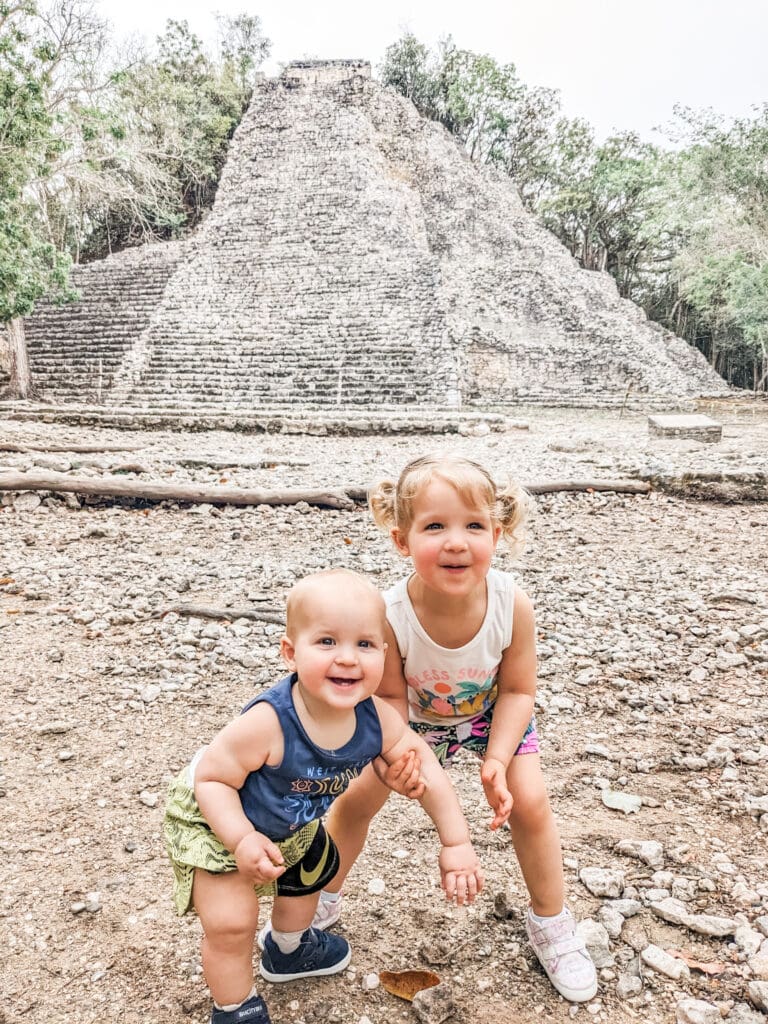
(461, 874)
(513, 708)
(241, 747)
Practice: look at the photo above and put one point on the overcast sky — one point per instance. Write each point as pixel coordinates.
(620, 65)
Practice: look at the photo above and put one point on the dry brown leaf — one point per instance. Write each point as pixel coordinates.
(406, 984)
(711, 967)
(6, 579)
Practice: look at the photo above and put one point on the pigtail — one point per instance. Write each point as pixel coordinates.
(514, 506)
(381, 501)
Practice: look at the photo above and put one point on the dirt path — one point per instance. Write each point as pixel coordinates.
(653, 631)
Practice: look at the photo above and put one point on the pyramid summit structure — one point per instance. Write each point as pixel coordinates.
(354, 257)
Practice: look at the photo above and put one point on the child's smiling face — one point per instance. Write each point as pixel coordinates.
(335, 642)
(451, 540)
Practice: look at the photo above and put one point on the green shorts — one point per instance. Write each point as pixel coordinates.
(310, 854)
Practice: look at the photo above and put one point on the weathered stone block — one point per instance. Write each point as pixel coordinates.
(695, 426)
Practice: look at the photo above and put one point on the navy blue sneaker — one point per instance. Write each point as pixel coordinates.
(252, 1011)
(318, 953)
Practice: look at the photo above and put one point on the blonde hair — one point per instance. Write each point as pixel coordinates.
(391, 502)
(297, 596)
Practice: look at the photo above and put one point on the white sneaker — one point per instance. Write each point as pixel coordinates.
(563, 955)
(325, 915)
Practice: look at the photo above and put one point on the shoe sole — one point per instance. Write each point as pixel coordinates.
(334, 969)
(573, 995)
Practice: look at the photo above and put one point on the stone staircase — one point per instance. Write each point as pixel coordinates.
(75, 350)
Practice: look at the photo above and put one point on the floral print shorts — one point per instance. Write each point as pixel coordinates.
(472, 735)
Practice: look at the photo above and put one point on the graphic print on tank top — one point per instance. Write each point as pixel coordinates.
(451, 699)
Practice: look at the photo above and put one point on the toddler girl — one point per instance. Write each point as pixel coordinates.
(461, 669)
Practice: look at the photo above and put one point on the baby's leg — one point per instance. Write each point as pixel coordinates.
(293, 950)
(349, 818)
(228, 909)
(535, 835)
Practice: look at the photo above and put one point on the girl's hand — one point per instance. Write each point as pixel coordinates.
(258, 858)
(460, 873)
(403, 775)
(493, 775)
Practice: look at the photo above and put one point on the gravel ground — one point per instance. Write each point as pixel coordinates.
(653, 641)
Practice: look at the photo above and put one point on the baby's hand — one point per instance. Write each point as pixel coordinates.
(460, 873)
(494, 778)
(258, 858)
(403, 775)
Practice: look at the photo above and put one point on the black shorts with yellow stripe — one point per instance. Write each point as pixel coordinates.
(318, 866)
(309, 852)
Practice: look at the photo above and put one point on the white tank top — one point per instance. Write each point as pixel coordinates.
(450, 685)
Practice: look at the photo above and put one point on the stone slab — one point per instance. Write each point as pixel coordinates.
(695, 426)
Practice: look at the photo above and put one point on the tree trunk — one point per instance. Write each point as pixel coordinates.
(344, 497)
(20, 385)
(117, 487)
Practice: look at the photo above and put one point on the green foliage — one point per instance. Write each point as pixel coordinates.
(100, 150)
(143, 136)
(243, 48)
(30, 265)
(409, 68)
(485, 105)
(683, 230)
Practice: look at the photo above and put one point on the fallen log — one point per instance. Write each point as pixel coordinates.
(118, 487)
(193, 462)
(343, 498)
(204, 611)
(617, 486)
(360, 494)
(77, 449)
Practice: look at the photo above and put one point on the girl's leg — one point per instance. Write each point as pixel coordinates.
(228, 909)
(349, 818)
(535, 835)
(293, 913)
(550, 926)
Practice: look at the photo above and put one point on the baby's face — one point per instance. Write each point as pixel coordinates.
(336, 644)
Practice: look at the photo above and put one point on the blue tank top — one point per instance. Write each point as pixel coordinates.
(278, 800)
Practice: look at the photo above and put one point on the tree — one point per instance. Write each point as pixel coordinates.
(142, 137)
(720, 272)
(178, 113)
(30, 265)
(497, 118)
(99, 150)
(243, 47)
(603, 202)
(410, 69)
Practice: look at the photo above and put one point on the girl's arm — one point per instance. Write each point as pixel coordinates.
(461, 874)
(403, 775)
(513, 708)
(243, 746)
(393, 687)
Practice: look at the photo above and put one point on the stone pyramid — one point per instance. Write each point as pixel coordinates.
(354, 257)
